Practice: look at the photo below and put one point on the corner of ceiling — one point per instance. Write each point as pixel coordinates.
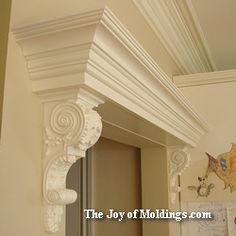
(176, 25)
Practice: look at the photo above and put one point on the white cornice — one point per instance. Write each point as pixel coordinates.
(205, 78)
(176, 25)
(95, 51)
(57, 25)
(79, 62)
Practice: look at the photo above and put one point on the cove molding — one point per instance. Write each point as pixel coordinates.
(176, 24)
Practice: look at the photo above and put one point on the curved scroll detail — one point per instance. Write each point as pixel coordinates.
(67, 121)
(179, 160)
(55, 179)
(73, 125)
(72, 128)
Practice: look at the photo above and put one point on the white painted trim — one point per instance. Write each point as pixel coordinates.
(179, 32)
(94, 50)
(71, 127)
(77, 62)
(205, 78)
(178, 162)
(199, 31)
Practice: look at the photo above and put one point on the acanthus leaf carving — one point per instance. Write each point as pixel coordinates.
(71, 128)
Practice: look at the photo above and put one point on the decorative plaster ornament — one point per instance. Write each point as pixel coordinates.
(179, 160)
(203, 189)
(224, 167)
(71, 128)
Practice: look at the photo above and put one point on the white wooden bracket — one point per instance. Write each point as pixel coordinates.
(71, 127)
(178, 162)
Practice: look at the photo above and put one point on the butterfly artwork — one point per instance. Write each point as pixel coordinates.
(224, 166)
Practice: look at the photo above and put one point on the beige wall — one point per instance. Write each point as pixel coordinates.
(216, 103)
(5, 6)
(116, 183)
(20, 152)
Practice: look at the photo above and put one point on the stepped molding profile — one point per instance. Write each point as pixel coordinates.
(94, 50)
(199, 79)
(175, 23)
(75, 64)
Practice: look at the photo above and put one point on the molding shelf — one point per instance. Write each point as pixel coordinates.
(205, 78)
(77, 63)
(176, 25)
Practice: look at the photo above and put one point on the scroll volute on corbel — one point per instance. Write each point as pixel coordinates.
(178, 162)
(71, 127)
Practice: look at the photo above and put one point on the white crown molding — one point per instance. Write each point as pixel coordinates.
(77, 62)
(95, 51)
(205, 78)
(176, 25)
(179, 161)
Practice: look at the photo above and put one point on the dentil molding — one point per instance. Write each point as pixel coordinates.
(176, 25)
(178, 162)
(78, 62)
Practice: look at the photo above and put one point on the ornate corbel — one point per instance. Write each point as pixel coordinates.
(179, 160)
(71, 127)
(94, 51)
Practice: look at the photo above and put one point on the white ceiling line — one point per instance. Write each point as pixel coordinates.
(176, 25)
(205, 78)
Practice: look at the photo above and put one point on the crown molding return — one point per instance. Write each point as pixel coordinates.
(176, 25)
(76, 63)
(205, 78)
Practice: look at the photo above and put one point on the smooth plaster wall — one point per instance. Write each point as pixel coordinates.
(216, 103)
(5, 8)
(20, 152)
